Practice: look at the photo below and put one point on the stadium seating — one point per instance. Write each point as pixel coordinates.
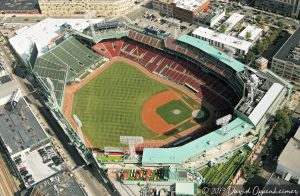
(143, 49)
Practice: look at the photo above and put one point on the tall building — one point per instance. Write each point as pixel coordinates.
(284, 7)
(181, 9)
(286, 62)
(80, 7)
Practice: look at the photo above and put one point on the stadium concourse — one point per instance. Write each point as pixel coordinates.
(226, 84)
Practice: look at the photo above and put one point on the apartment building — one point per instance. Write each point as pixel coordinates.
(286, 62)
(80, 7)
(284, 7)
(184, 10)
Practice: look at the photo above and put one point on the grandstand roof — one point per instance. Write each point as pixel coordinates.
(178, 155)
(264, 104)
(204, 46)
(41, 34)
(63, 63)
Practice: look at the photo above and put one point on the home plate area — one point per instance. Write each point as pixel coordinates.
(198, 114)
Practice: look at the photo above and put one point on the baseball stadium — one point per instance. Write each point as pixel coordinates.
(123, 80)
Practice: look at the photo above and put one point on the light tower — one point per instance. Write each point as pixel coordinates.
(131, 141)
(79, 125)
(224, 122)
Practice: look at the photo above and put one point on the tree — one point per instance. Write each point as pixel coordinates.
(280, 24)
(250, 57)
(283, 125)
(223, 28)
(250, 169)
(261, 47)
(258, 19)
(228, 10)
(248, 35)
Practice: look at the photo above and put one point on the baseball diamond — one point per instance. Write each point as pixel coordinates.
(174, 112)
(111, 105)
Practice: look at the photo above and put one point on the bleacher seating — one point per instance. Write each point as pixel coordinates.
(64, 63)
(142, 49)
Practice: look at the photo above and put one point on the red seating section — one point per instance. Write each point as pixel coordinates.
(173, 68)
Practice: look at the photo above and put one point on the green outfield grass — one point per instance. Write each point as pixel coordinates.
(111, 104)
(174, 112)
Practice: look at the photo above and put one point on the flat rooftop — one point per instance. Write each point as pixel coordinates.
(284, 53)
(42, 33)
(19, 129)
(7, 86)
(3, 70)
(280, 184)
(264, 104)
(233, 20)
(254, 30)
(61, 184)
(222, 38)
(190, 5)
(289, 157)
(19, 5)
(35, 165)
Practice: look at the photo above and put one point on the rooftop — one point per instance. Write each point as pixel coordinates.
(178, 155)
(254, 30)
(190, 5)
(264, 104)
(19, 129)
(290, 51)
(42, 33)
(39, 166)
(61, 184)
(19, 5)
(205, 46)
(228, 40)
(297, 134)
(7, 86)
(279, 184)
(185, 188)
(289, 157)
(233, 20)
(3, 70)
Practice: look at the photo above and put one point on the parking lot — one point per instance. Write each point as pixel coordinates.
(37, 165)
